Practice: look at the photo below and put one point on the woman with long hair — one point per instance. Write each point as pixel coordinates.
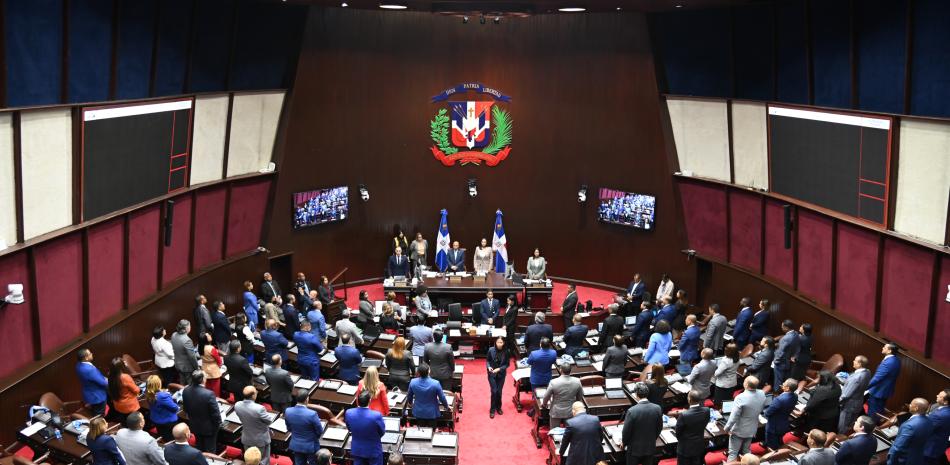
(724, 379)
(122, 390)
(657, 383)
(497, 365)
(104, 449)
(211, 362)
(162, 411)
(400, 364)
(377, 391)
(483, 257)
(388, 320)
(325, 291)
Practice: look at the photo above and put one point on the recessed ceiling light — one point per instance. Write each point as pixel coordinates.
(344, 5)
(679, 5)
(571, 9)
(618, 8)
(392, 6)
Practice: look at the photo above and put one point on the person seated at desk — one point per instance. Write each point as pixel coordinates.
(561, 394)
(690, 431)
(574, 337)
(583, 436)
(94, 385)
(400, 364)
(420, 334)
(440, 358)
(424, 304)
(398, 265)
(388, 321)
(366, 430)
(103, 446)
(425, 395)
(280, 382)
(489, 309)
(345, 326)
(309, 349)
(537, 265)
(455, 258)
(541, 361)
(274, 342)
(817, 453)
(482, 260)
(861, 447)
(778, 413)
(537, 331)
(661, 341)
(350, 360)
(377, 390)
(908, 447)
(136, 445)
(180, 452)
(615, 359)
(305, 430)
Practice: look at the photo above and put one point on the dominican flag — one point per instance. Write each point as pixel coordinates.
(499, 242)
(443, 243)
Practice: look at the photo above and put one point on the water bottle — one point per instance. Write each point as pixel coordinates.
(58, 433)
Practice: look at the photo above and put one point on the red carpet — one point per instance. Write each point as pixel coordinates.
(504, 439)
(599, 297)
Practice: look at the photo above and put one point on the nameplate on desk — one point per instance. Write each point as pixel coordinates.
(478, 278)
(331, 385)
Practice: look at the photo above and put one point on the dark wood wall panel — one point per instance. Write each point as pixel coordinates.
(209, 219)
(59, 290)
(905, 297)
(143, 252)
(778, 259)
(814, 256)
(175, 260)
(857, 271)
(745, 229)
(106, 269)
(16, 332)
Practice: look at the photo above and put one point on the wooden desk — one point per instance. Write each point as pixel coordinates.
(335, 447)
(448, 415)
(332, 399)
(387, 448)
(465, 291)
(416, 452)
(606, 408)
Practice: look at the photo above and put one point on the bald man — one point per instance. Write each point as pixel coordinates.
(179, 452)
(255, 424)
(908, 447)
(583, 436)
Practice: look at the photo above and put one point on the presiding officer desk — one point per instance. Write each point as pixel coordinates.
(469, 289)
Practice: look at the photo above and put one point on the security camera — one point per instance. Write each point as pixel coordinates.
(364, 193)
(582, 194)
(472, 188)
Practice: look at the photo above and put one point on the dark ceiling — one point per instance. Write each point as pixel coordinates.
(516, 7)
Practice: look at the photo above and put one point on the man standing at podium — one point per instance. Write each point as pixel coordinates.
(456, 258)
(398, 264)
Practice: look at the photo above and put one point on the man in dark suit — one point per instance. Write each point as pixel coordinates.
(202, 315)
(179, 452)
(668, 312)
(689, 344)
(912, 437)
(641, 328)
(441, 359)
(583, 436)
(777, 414)
(641, 426)
(281, 384)
(239, 371)
(759, 325)
(761, 366)
(861, 447)
(633, 294)
(367, 429)
(574, 337)
(940, 417)
(221, 334)
(350, 360)
(569, 306)
(881, 386)
(489, 309)
(456, 258)
(613, 325)
(274, 342)
(201, 406)
(270, 290)
(741, 332)
(690, 431)
(291, 317)
(94, 385)
(786, 351)
(398, 264)
(302, 287)
(537, 331)
(305, 430)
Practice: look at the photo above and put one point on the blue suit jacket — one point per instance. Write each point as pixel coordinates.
(636, 290)
(742, 331)
(456, 258)
(305, 428)
(885, 378)
(105, 451)
(668, 313)
(222, 328)
(759, 326)
(397, 269)
(779, 410)
(908, 446)
(574, 339)
(350, 360)
(318, 324)
(274, 343)
(292, 319)
(94, 384)
(183, 454)
(857, 450)
(250, 308)
(689, 344)
(489, 310)
(366, 428)
(938, 442)
(541, 361)
(642, 327)
(426, 395)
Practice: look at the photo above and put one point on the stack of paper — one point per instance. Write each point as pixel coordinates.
(445, 440)
(329, 357)
(279, 425)
(668, 436)
(680, 387)
(459, 369)
(347, 390)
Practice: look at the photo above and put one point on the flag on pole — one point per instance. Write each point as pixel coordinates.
(443, 243)
(499, 242)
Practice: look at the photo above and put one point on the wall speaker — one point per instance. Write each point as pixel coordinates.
(169, 221)
(787, 212)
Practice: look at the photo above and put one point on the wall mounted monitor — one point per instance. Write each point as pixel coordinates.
(133, 153)
(320, 206)
(836, 160)
(627, 208)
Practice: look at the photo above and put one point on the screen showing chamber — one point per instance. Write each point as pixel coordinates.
(320, 206)
(627, 208)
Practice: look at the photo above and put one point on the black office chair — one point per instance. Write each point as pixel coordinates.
(476, 313)
(455, 312)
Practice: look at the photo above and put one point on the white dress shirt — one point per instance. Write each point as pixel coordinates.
(164, 354)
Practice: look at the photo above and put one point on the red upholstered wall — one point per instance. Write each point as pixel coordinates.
(209, 221)
(814, 256)
(778, 260)
(941, 341)
(904, 308)
(59, 290)
(745, 230)
(143, 252)
(106, 246)
(16, 331)
(246, 215)
(704, 209)
(175, 256)
(857, 273)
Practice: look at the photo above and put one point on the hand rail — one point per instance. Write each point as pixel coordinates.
(345, 286)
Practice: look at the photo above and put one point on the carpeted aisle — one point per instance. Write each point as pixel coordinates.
(506, 439)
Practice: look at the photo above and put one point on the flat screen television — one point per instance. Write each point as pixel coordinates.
(627, 208)
(320, 206)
